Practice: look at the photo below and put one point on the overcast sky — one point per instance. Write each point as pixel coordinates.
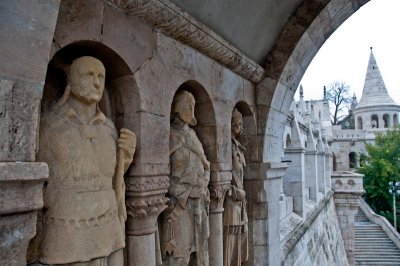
(344, 56)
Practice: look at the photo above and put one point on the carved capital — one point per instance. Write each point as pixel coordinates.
(217, 196)
(145, 200)
(171, 21)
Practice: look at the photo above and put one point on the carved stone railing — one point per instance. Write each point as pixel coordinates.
(172, 21)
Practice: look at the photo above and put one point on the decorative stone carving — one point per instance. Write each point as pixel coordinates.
(217, 194)
(235, 214)
(168, 18)
(84, 201)
(185, 223)
(145, 201)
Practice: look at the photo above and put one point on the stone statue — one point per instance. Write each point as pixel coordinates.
(235, 214)
(84, 201)
(185, 225)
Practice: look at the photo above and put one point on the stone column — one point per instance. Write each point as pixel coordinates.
(321, 166)
(347, 187)
(311, 177)
(218, 190)
(264, 213)
(27, 34)
(145, 200)
(294, 179)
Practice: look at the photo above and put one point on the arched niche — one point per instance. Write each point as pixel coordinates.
(248, 140)
(288, 141)
(352, 160)
(359, 123)
(121, 98)
(374, 121)
(205, 116)
(249, 136)
(334, 162)
(386, 122)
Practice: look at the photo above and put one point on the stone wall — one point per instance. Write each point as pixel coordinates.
(320, 241)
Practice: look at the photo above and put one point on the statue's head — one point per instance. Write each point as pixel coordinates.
(236, 123)
(86, 79)
(183, 107)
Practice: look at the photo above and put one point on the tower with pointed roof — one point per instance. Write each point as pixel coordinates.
(376, 109)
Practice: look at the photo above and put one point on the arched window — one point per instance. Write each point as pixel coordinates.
(359, 123)
(352, 160)
(334, 163)
(386, 122)
(374, 121)
(395, 120)
(288, 141)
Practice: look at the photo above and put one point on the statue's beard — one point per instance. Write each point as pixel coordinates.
(189, 119)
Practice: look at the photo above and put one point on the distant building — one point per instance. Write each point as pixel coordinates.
(376, 112)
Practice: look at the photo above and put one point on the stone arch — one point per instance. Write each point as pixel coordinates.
(205, 116)
(359, 123)
(386, 121)
(298, 43)
(121, 97)
(374, 121)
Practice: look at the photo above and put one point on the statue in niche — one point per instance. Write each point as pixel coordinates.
(84, 211)
(235, 214)
(185, 225)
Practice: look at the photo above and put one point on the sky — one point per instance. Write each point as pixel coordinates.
(345, 55)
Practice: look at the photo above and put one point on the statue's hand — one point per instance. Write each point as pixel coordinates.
(127, 144)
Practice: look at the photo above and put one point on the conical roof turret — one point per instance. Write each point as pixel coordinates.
(374, 92)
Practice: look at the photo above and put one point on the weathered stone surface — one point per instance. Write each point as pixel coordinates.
(19, 182)
(320, 244)
(27, 31)
(19, 118)
(134, 40)
(16, 230)
(80, 20)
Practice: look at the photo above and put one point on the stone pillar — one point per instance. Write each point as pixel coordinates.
(294, 179)
(145, 200)
(311, 176)
(264, 213)
(21, 195)
(27, 34)
(328, 165)
(321, 166)
(218, 190)
(347, 187)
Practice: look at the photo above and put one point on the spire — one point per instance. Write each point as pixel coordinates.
(303, 108)
(374, 92)
(353, 102)
(325, 94)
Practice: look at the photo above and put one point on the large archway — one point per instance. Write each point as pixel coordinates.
(287, 62)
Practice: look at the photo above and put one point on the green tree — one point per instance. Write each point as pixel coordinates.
(383, 166)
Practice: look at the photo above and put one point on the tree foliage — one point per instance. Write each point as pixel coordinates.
(383, 166)
(338, 94)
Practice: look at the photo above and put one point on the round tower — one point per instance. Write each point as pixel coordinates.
(376, 109)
